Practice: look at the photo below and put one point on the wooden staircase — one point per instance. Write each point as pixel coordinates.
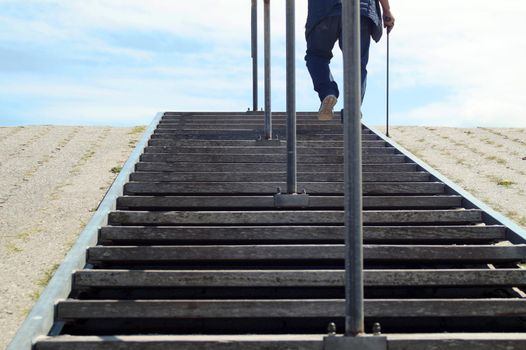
(197, 256)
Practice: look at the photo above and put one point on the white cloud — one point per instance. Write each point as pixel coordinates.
(469, 51)
(474, 49)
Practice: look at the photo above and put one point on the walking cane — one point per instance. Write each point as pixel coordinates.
(387, 90)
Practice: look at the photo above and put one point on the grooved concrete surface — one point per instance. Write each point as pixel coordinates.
(488, 163)
(53, 177)
(51, 180)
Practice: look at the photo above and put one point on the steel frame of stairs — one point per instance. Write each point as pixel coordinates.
(40, 321)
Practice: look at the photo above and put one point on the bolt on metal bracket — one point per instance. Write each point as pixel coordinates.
(299, 200)
(363, 342)
(270, 142)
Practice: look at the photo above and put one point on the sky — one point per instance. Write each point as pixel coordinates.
(119, 62)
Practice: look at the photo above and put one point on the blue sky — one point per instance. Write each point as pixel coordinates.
(118, 62)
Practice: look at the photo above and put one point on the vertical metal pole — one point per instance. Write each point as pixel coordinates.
(292, 186)
(268, 113)
(387, 92)
(254, 55)
(354, 314)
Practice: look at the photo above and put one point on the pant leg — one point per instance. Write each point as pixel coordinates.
(365, 44)
(320, 42)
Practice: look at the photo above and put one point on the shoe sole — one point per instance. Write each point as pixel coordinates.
(326, 110)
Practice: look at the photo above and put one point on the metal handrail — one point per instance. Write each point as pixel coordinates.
(354, 324)
(354, 310)
(292, 183)
(41, 318)
(387, 76)
(268, 112)
(291, 83)
(254, 41)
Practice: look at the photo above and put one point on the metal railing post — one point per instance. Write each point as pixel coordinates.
(354, 312)
(292, 199)
(268, 113)
(254, 55)
(387, 91)
(292, 186)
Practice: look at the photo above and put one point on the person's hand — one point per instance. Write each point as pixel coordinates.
(389, 21)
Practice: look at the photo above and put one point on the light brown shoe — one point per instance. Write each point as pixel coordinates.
(325, 113)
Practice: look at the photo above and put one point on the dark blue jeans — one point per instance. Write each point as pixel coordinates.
(320, 42)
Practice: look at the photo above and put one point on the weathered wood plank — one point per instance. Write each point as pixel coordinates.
(301, 126)
(458, 341)
(297, 278)
(290, 252)
(268, 167)
(280, 126)
(299, 233)
(422, 341)
(185, 114)
(260, 150)
(325, 132)
(249, 135)
(164, 342)
(265, 158)
(296, 217)
(245, 202)
(251, 143)
(173, 188)
(98, 309)
(248, 118)
(278, 118)
(173, 176)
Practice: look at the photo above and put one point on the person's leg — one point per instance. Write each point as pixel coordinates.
(365, 44)
(320, 42)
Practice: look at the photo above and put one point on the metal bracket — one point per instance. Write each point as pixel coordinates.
(300, 200)
(363, 342)
(265, 142)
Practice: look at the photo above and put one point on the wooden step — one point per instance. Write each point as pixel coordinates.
(257, 118)
(176, 114)
(246, 202)
(242, 114)
(202, 342)
(254, 126)
(173, 176)
(145, 309)
(277, 127)
(296, 278)
(250, 124)
(269, 188)
(248, 135)
(423, 341)
(282, 150)
(247, 234)
(297, 217)
(265, 158)
(252, 143)
(289, 252)
(276, 119)
(232, 119)
(267, 167)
